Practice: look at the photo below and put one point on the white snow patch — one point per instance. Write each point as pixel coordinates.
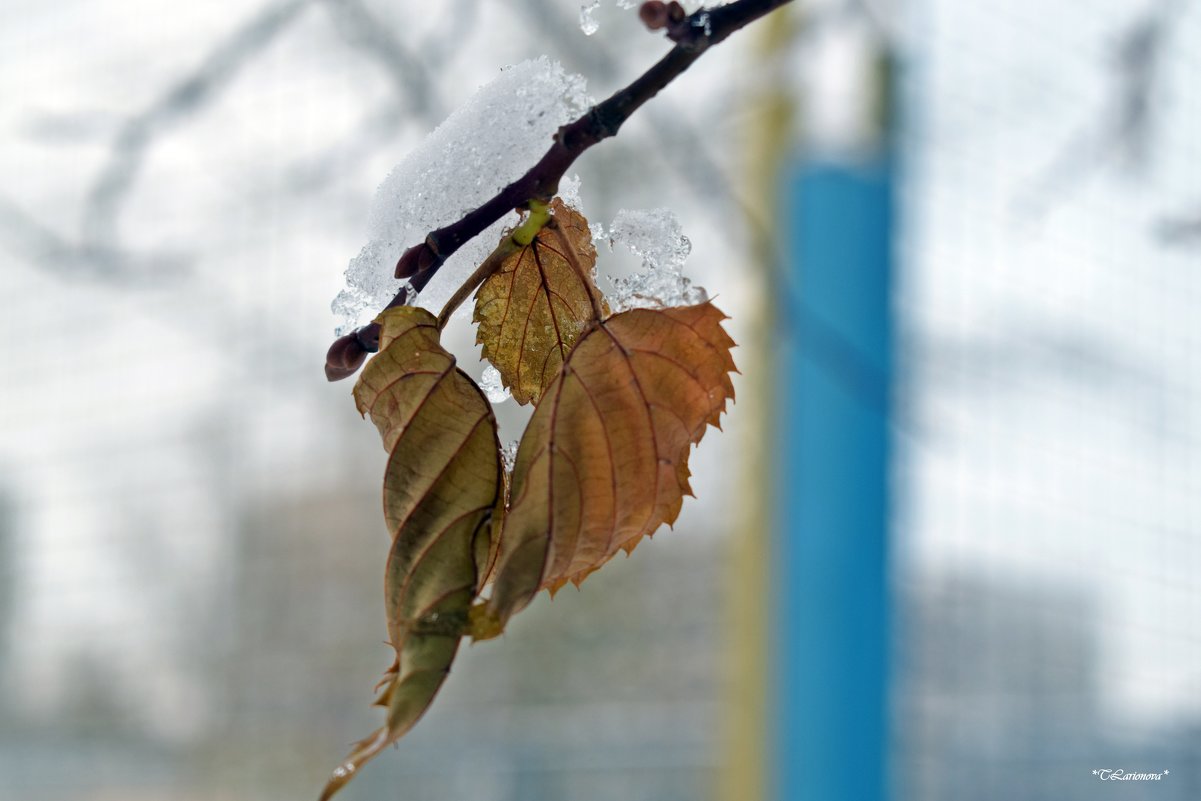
(508, 456)
(492, 386)
(483, 146)
(657, 238)
(569, 192)
(588, 23)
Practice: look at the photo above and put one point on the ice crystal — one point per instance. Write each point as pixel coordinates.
(656, 237)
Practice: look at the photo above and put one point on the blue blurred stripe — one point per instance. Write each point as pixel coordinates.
(831, 568)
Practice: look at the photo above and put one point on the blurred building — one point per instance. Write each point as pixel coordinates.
(998, 693)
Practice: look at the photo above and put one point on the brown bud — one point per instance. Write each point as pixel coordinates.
(675, 12)
(653, 14)
(416, 259)
(344, 357)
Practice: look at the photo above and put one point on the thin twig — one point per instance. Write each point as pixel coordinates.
(706, 27)
(520, 237)
(496, 258)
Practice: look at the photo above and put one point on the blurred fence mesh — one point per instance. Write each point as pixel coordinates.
(1049, 473)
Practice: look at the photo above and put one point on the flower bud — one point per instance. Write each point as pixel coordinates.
(653, 14)
(416, 259)
(344, 357)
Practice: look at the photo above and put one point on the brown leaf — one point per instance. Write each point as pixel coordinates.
(604, 459)
(534, 308)
(442, 486)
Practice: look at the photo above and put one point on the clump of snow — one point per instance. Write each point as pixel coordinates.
(508, 456)
(478, 150)
(588, 23)
(569, 192)
(492, 386)
(348, 306)
(656, 237)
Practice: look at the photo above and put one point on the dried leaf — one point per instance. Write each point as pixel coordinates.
(534, 308)
(442, 486)
(604, 459)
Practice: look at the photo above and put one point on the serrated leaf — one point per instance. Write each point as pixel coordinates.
(604, 460)
(442, 486)
(534, 308)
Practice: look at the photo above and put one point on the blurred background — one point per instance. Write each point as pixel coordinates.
(946, 546)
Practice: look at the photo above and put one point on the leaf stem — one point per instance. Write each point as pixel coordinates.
(521, 237)
(491, 264)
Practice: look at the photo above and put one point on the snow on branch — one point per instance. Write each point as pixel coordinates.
(693, 34)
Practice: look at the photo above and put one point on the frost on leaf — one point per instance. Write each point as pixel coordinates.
(604, 460)
(534, 308)
(477, 151)
(442, 488)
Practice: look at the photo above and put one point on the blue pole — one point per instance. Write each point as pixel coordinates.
(831, 572)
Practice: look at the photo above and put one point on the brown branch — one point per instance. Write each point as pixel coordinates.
(693, 36)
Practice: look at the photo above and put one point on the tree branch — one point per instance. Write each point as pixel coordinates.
(134, 140)
(693, 36)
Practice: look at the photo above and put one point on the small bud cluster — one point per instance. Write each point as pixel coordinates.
(417, 259)
(344, 357)
(672, 17)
